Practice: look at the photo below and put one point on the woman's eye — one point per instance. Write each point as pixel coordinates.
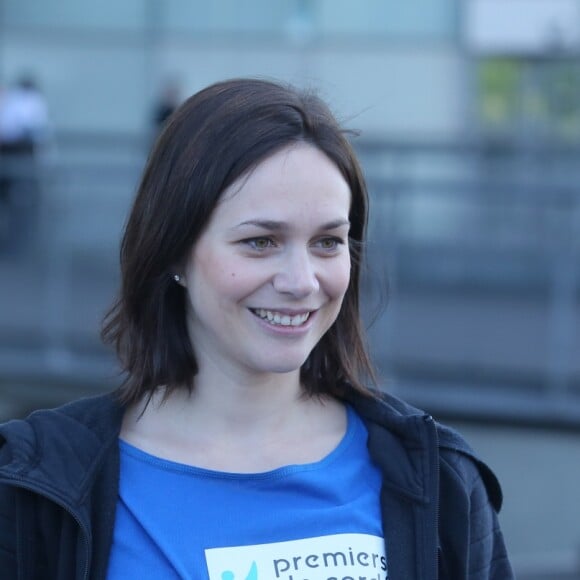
(259, 243)
(330, 243)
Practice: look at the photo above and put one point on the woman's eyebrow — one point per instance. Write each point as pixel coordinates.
(275, 225)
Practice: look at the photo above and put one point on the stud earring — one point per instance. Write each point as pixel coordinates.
(177, 278)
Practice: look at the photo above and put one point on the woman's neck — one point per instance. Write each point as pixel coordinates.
(217, 424)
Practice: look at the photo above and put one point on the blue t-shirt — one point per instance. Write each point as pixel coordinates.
(318, 521)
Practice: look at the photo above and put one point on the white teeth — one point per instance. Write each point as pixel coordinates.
(282, 319)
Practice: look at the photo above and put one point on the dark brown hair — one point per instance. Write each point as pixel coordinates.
(214, 138)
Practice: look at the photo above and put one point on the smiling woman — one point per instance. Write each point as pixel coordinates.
(246, 152)
(248, 439)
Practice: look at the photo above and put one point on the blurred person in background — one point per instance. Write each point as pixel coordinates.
(168, 100)
(248, 440)
(24, 125)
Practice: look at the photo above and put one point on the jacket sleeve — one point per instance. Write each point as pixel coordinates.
(472, 546)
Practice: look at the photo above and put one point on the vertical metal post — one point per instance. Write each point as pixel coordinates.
(152, 31)
(57, 264)
(565, 282)
(2, 37)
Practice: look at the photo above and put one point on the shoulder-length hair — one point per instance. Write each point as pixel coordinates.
(217, 136)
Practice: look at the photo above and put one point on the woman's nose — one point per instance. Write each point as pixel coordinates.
(297, 275)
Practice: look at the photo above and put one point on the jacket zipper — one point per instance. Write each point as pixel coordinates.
(18, 481)
(434, 456)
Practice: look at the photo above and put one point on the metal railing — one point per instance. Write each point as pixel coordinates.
(451, 235)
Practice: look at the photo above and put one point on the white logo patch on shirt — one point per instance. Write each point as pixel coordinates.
(334, 557)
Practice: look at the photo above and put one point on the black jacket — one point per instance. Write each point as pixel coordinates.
(59, 474)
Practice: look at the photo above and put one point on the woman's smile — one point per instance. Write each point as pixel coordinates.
(281, 318)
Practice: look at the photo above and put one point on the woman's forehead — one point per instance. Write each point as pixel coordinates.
(297, 173)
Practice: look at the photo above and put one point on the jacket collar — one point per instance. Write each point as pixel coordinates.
(402, 442)
(410, 429)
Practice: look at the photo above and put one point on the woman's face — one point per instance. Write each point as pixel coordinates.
(267, 277)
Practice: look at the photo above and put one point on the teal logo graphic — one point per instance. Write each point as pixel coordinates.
(252, 574)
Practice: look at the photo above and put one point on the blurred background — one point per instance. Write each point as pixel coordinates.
(469, 119)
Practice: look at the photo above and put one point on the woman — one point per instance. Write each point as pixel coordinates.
(244, 443)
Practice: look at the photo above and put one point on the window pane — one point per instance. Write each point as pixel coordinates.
(434, 19)
(224, 16)
(532, 96)
(49, 14)
(498, 92)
